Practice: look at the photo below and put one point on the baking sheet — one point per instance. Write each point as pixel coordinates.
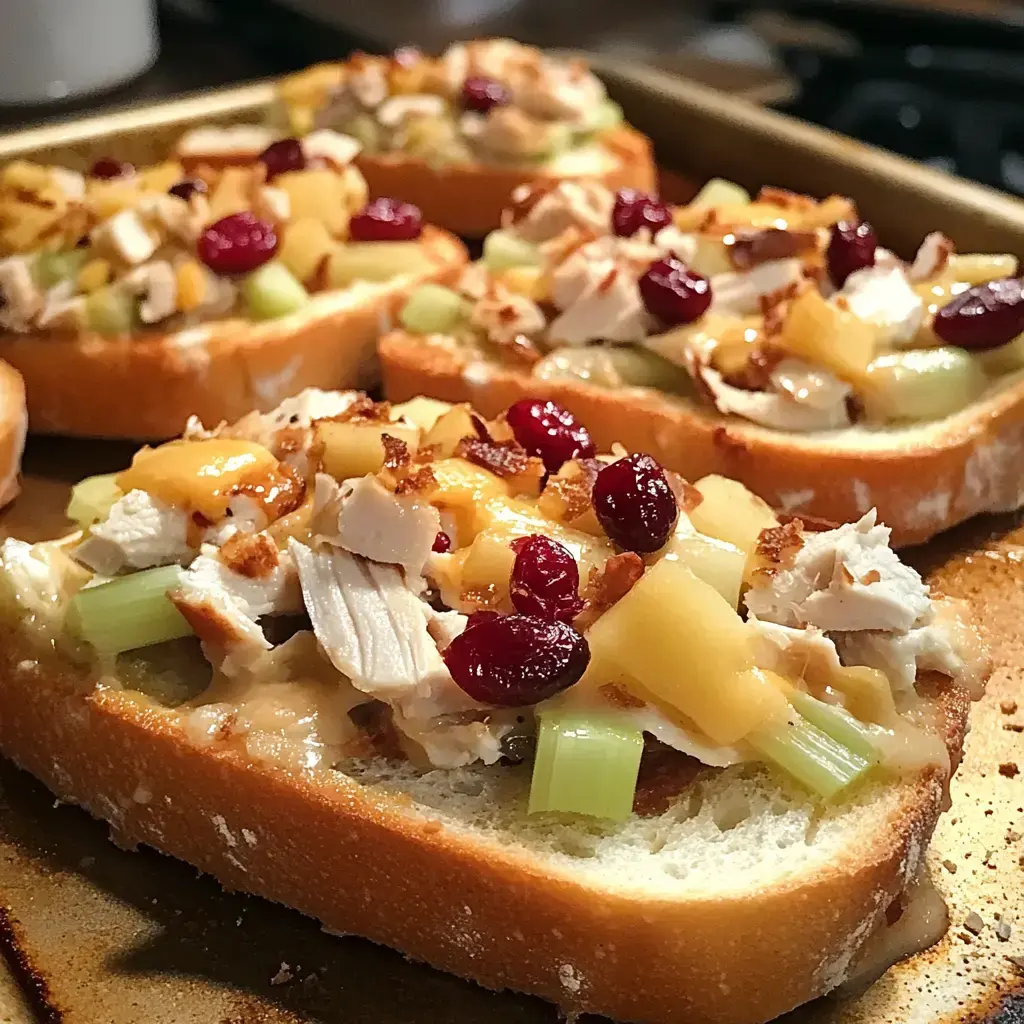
(102, 936)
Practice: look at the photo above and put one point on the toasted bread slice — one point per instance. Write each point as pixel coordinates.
(469, 198)
(922, 478)
(146, 387)
(13, 426)
(743, 899)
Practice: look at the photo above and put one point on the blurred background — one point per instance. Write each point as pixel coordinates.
(935, 80)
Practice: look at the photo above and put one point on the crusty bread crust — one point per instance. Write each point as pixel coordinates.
(373, 865)
(468, 198)
(921, 479)
(13, 427)
(146, 387)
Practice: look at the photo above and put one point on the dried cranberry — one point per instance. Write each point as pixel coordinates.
(386, 220)
(515, 660)
(634, 210)
(545, 579)
(187, 188)
(442, 543)
(549, 431)
(673, 292)
(985, 316)
(237, 244)
(481, 94)
(282, 156)
(108, 168)
(851, 247)
(635, 503)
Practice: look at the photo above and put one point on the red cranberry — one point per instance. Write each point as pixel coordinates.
(108, 168)
(545, 580)
(237, 244)
(634, 210)
(515, 660)
(481, 94)
(851, 247)
(386, 220)
(281, 156)
(442, 543)
(673, 292)
(985, 316)
(549, 431)
(635, 504)
(188, 188)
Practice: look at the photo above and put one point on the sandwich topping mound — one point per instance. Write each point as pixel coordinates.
(419, 583)
(782, 310)
(235, 224)
(492, 101)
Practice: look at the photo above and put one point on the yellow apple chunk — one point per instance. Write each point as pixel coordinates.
(716, 562)
(686, 648)
(355, 449)
(827, 336)
(731, 513)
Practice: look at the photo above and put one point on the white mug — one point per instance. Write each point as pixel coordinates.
(56, 49)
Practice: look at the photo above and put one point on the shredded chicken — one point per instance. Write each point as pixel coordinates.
(505, 316)
(139, 532)
(22, 298)
(844, 580)
(742, 294)
(882, 296)
(540, 213)
(157, 286)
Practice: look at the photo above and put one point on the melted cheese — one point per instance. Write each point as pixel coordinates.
(203, 476)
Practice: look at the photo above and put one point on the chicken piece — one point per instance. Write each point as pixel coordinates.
(222, 601)
(39, 578)
(559, 92)
(795, 653)
(223, 144)
(244, 515)
(140, 531)
(540, 213)
(844, 580)
(506, 316)
(741, 293)
(126, 235)
(882, 296)
(157, 286)
(444, 627)
(599, 299)
(365, 519)
(22, 298)
(451, 743)
(334, 148)
(373, 628)
(394, 110)
(777, 410)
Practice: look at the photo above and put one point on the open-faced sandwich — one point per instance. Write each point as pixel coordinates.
(222, 280)
(455, 134)
(772, 340)
(551, 719)
(13, 427)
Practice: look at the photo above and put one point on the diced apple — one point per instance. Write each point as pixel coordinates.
(318, 193)
(304, 245)
(557, 500)
(375, 261)
(731, 513)
(711, 257)
(450, 429)
(487, 566)
(714, 561)
(825, 335)
(422, 411)
(160, 177)
(355, 449)
(683, 645)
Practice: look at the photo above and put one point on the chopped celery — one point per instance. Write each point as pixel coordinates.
(273, 291)
(110, 311)
(607, 115)
(586, 763)
(53, 267)
(432, 309)
(92, 498)
(811, 756)
(839, 724)
(503, 250)
(129, 612)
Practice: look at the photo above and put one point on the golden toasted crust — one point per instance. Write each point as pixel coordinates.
(468, 198)
(922, 480)
(146, 387)
(371, 864)
(13, 426)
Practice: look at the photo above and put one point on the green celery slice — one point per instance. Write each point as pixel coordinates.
(839, 724)
(273, 291)
(129, 612)
(586, 763)
(53, 267)
(810, 755)
(433, 309)
(503, 250)
(92, 498)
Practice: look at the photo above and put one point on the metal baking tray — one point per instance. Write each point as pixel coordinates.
(96, 935)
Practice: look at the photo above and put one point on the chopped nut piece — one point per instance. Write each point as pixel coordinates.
(607, 585)
(752, 248)
(777, 547)
(283, 976)
(396, 452)
(1008, 707)
(1003, 930)
(1009, 769)
(950, 866)
(506, 459)
(974, 922)
(620, 697)
(253, 555)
